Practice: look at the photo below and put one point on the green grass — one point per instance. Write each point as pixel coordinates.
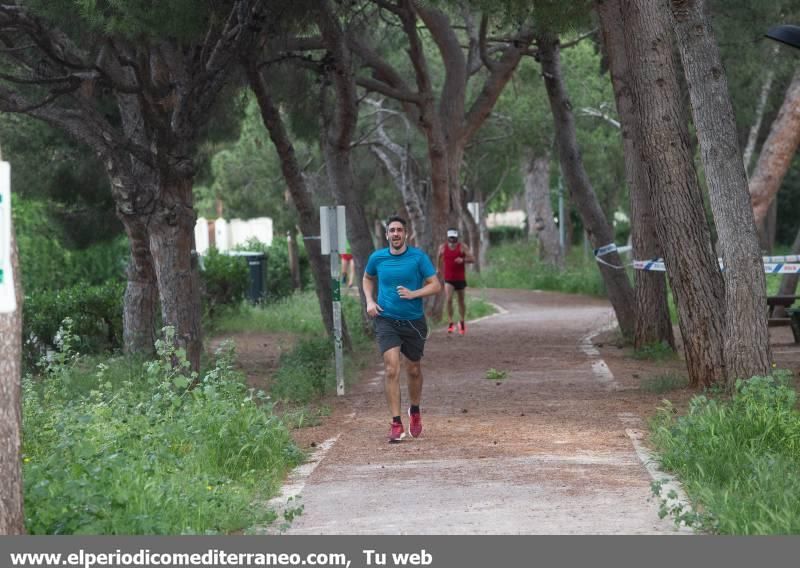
(738, 458)
(660, 351)
(516, 265)
(666, 382)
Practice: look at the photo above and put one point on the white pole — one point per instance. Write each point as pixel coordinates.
(336, 289)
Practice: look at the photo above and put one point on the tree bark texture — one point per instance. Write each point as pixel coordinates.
(12, 520)
(339, 124)
(675, 194)
(171, 233)
(747, 349)
(541, 226)
(777, 152)
(653, 323)
(134, 186)
(598, 229)
(308, 214)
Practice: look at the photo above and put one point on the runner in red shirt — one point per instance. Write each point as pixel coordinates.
(453, 255)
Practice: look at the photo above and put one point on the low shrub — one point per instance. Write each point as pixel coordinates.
(142, 453)
(96, 312)
(224, 281)
(305, 373)
(504, 234)
(739, 459)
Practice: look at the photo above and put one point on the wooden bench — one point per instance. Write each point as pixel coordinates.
(793, 317)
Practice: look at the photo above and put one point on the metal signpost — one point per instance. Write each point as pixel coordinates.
(333, 236)
(8, 299)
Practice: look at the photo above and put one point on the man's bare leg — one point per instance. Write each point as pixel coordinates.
(462, 308)
(448, 293)
(391, 365)
(414, 373)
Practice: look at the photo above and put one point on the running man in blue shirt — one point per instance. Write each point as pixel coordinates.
(404, 276)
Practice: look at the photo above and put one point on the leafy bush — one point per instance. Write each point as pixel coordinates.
(225, 281)
(739, 459)
(141, 453)
(504, 234)
(95, 310)
(306, 372)
(46, 264)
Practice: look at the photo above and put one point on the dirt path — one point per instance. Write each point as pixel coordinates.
(547, 450)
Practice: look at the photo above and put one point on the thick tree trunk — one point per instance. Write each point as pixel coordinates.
(536, 179)
(307, 213)
(141, 294)
(653, 323)
(777, 152)
(620, 292)
(12, 520)
(675, 193)
(294, 260)
(766, 231)
(339, 125)
(747, 350)
(175, 262)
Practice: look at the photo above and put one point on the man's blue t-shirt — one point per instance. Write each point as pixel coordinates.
(409, 269)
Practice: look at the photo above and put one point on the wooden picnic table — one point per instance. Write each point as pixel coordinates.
(792, 317)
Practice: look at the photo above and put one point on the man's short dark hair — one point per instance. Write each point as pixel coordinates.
(396, 218)
(452, 229)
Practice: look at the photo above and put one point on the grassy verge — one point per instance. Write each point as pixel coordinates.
(516, 265)
(118, 447)
(738, 458)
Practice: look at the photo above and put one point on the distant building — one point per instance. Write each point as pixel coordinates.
(226, 235)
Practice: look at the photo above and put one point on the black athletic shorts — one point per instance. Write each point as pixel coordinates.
(409, 335)
(457, 284)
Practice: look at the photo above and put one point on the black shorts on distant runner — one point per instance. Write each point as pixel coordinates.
(409, 335)
(457, 284)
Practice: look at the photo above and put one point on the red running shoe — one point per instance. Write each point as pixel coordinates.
(397, 433)
(462, 328)
(415, 424)
(451, 328)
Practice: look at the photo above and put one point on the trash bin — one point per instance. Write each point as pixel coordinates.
(257, 269)
(257, 274)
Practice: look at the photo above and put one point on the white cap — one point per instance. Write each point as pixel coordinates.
(452, 233)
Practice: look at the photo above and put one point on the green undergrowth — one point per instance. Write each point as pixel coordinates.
(516, 265)
(738, 458)
(121, 447)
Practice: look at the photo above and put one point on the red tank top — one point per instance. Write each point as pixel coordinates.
(452, 270)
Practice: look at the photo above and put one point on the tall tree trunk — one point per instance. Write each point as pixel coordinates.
(766, 231)
(620, 292)
(294, 259)
(675, 193)
(175, 262)
(653, 323)
(339, 126)
(747, 350)
(141, 293)
(766, 87)
(12, 520)
(307, 213)
(536, 180)
(134, 186)
(777, 152)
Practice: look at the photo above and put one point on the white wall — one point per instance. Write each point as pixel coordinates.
(230, 234)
